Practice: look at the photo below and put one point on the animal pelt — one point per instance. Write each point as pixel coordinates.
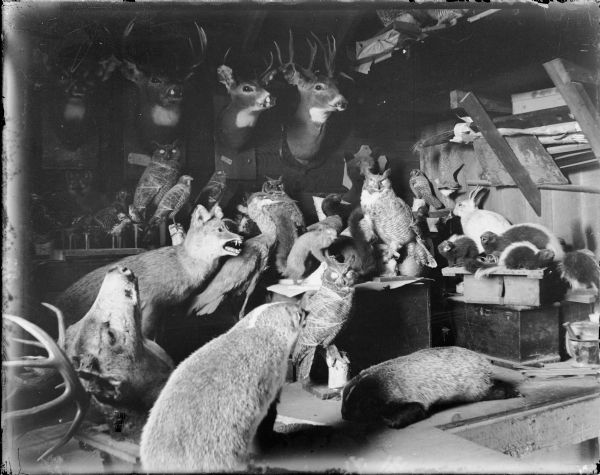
(166, 276)
(207, 415)
(311, 243)
(538, 235)
(460, 250)
(330, 222)
(237, 276)
(329, 308)
(114, 361)
(410, 261)
(392, 218)
(333, 204)
(581, 270)
(401, 391)
(519, 255)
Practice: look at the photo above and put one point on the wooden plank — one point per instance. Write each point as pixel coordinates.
(576, 188)
(109, 252)
(578, 100)
(554, 115)
(530, 154)
(565, 71)
(490, 103)
(529, 273)
(505, 154)
(518, 433)
(123, 450)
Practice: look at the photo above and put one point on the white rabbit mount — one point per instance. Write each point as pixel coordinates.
(475, 221)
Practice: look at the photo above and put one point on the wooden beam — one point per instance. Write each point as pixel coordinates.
(554, 115)
(576, 188)
(255, 20)
(505, 154)
(490, 104)
(567, 72)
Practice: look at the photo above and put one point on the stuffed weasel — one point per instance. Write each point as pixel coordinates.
(460, 250)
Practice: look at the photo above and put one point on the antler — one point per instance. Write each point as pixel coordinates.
(200, 53)
(56, 359)
(290, 61)
(328, 53)
(267, 75)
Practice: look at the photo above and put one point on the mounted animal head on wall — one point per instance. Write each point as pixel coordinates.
(319, 96)
(160, 59)
(72, 69)
(248, 98)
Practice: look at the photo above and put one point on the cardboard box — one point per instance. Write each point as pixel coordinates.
(520, 335)
(536, 100)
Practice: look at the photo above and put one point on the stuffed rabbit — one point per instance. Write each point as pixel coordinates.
(475, 221)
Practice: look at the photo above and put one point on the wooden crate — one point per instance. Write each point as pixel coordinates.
(519, 287)
(521, 335)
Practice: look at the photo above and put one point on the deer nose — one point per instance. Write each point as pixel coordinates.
(340, 103)
(175, 92)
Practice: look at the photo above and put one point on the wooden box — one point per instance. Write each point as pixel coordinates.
(519, 287)
(536, 100)
(521, 335)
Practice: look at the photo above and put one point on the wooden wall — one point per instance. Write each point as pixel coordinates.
(574, 216)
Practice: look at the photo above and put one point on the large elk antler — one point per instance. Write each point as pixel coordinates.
(56, 359)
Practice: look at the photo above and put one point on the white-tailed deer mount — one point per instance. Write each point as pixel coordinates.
(248, 99)
(72, 71)
(319, 97)
(159, 67)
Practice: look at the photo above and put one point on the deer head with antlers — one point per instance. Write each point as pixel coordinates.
(155, 61)
(248, 99)
(319, 96)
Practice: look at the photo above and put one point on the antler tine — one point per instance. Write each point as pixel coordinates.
(58, 359)
(326, 52)
(313, 54)
(126, 32)
(264, 76)
(291, 47)
(60, 320)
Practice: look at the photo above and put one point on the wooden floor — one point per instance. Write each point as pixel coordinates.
(545, 431)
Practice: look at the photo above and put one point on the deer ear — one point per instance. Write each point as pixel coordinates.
(131, 71)
(225, 76)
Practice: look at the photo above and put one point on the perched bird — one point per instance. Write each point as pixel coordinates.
(172, 201)
(212, 192)
(421, 188)
(448, 168)
(328, 309)
(392, 218)
(158, 178)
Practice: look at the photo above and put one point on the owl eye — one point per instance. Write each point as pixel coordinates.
(335, 275)
(174, 151)
(162, 151)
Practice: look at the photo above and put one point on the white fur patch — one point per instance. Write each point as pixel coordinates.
(252, 317)
(367, 199)
(319, 115)
(245, 118)
(167, 117)
(510, 247)
(553, 242)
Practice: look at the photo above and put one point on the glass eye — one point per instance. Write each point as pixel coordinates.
(174, 151)
(162, 151)
(334, 275)
(154, 79)
(319, 87)
(247, 89)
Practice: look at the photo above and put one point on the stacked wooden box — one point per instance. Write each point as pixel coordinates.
(510, 314)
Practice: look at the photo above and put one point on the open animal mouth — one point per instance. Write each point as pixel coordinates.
(233, 247)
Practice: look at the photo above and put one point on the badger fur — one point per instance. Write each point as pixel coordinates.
(401, 391)
(207, 415)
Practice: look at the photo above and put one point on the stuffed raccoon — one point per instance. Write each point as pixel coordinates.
(208, 413)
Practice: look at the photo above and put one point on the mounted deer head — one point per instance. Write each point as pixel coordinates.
(159, 70)
(248, 99)
(319, 96)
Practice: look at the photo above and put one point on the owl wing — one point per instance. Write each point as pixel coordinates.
(168, 180)
(171, 203)
(148, 186)
(393, 222)
(414, 186)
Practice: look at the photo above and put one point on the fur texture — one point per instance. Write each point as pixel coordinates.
(310, 243)
(538, 235)
(581, 270)
(401, 391)
(207, 415)
(475, 221)
(460, 250)
(166, 276)
(114, 362)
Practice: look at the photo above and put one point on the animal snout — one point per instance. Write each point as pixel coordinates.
(340, 103)
(175, 92)
(89, 364)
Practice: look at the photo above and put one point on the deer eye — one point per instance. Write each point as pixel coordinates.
(247, 89)
(154, 79)
(319, 87)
